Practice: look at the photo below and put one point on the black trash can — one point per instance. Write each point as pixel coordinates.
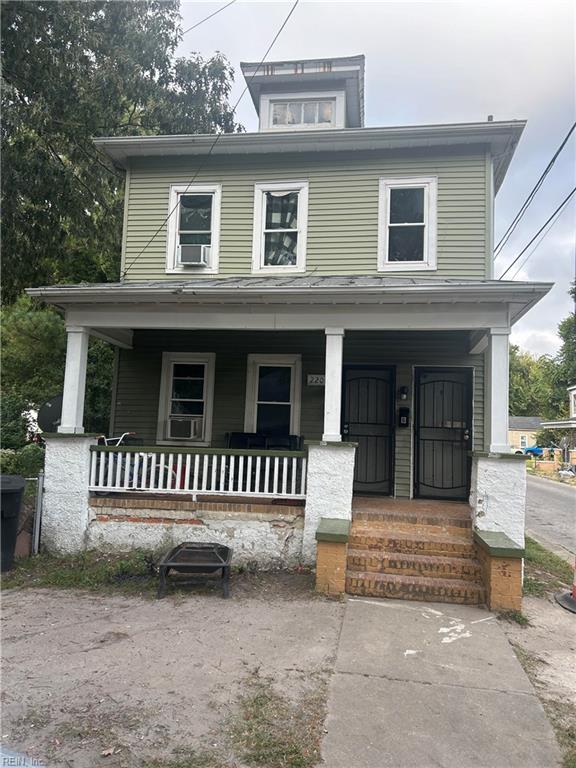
(11, 492)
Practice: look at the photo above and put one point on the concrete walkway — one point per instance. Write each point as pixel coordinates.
(418, 685)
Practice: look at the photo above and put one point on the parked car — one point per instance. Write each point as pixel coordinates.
(533, 450)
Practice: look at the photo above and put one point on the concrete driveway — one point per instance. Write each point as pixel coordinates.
(551, 514)
(418, 685)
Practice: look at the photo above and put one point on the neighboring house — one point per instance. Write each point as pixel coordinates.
(522, 431)
(307, 322)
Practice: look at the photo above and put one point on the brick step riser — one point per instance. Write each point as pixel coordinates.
(411, 592)
(416, 547)
(423, 531)
(394, 519)
(406, 567)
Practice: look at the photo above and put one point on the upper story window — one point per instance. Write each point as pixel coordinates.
(280, 227)
(407, 224)
(303, 113)
(193, 229)
(300, 111)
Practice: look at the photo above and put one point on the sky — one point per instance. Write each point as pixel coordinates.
(434, 62)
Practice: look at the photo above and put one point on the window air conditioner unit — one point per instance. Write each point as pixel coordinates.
(184, 428)
(194, 255)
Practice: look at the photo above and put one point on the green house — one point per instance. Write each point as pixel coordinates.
(307, 325)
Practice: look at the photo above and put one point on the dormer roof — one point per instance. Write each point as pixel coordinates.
(345, 73)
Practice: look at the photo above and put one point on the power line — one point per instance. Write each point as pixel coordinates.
(216, 139)
(506, 236)
(223, 8)
(538, 243)
(542, 228)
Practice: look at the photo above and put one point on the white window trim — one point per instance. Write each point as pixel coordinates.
(430, 184)
(172, 266)
(267, 99)
(168, 358)
(260, 189)
(523, 441)
(253, 363)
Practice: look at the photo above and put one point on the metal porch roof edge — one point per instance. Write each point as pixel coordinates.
(501, 136)
(339, 290)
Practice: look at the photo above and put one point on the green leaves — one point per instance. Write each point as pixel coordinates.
(71, 71)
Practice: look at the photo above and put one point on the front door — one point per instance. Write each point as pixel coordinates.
(443, 432)
(368, 421)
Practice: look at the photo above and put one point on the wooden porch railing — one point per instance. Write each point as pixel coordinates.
(129, 469)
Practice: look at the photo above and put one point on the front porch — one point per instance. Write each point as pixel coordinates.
(343, 388)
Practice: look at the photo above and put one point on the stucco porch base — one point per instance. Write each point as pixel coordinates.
(262, 535)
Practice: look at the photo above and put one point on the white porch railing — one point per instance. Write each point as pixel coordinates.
(274, 474)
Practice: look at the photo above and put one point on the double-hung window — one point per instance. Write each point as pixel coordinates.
(186, 398)
(273, 393)
(193, 229)
(280, 225)
(407, 224)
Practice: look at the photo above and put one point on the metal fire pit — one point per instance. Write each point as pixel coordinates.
(202, 559)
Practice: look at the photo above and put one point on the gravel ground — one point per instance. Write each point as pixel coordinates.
(92, 680)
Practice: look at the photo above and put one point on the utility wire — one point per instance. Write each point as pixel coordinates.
(506, 236)
(542, 228)
(223, 8)
(538, 242)
(216, 139)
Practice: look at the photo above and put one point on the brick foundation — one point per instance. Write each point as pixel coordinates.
(501, 563)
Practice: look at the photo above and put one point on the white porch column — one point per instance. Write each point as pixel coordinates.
(333, 385)
(498, 390)
(74, 381)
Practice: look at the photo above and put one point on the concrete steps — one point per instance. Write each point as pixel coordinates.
(414, 551)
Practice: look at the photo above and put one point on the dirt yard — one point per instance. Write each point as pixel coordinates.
(189, 681)
(546, 648)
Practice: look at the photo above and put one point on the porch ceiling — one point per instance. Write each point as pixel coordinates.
(305, 302)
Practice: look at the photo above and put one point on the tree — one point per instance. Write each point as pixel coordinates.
(531, 383)
(33, 357)
(71, 71)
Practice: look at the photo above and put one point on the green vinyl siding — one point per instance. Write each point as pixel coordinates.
(139, 371)
(342, 208)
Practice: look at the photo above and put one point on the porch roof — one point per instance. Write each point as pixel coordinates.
(300, 290)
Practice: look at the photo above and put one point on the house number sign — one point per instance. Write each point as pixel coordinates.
(315, 380)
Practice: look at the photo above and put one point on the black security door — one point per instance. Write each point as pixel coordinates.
(443, 433)
(368, 421)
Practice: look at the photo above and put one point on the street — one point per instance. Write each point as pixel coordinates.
(551, 513)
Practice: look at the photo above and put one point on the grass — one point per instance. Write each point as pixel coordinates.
(562, 715)
(270, 731)
(94, 571)
(189, 759)
(517, 617)
(545, 571)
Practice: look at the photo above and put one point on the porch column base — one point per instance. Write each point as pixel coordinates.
(331, 555)
(501, 562)
(498, 494)
(330, 476)
(66, 514)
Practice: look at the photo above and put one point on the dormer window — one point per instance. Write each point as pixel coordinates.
(303, 113)
(193, 229)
